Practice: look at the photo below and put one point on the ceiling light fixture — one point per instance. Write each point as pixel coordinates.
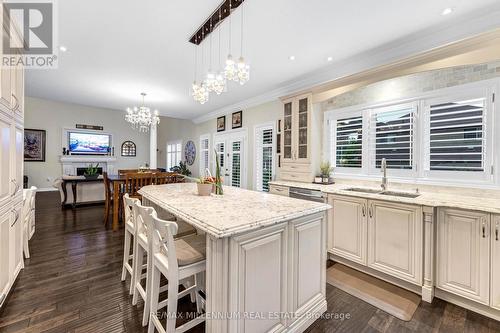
(243, 68)
(291, 57)
(141, 117)
(447, 11)
(230, 69)
(63, 48)
(329, 59)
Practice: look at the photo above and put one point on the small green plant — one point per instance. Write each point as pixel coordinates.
(218, 180)
(91, 170)
(181, 169)
(326, 169)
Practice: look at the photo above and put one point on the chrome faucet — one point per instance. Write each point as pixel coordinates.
(383, 168)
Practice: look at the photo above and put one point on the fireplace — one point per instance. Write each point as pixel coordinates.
(81, 171)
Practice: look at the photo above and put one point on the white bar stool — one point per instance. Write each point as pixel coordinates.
(128, 204)
(177, 260)
(28, 216)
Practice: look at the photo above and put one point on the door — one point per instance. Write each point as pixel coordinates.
(287, 130)
(4, 255)
(347, 227)
(395, 239)
(463, 254)
(230, 151)
(495, 262)
(15, 241)
(6, 185)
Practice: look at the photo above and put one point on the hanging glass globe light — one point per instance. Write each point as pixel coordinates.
(230, 71)
(243, 71)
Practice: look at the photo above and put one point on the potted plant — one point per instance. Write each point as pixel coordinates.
(326, 170)
(218, 179)
(91, 172)
(181, 169)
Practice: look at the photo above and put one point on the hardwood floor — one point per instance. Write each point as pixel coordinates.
(72, 284)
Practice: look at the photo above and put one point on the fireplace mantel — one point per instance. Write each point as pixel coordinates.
(71, 163)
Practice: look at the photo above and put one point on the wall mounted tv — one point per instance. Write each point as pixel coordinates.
(81, 143)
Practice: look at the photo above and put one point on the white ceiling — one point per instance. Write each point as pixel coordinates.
(117, 49)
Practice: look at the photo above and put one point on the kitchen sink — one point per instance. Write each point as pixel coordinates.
(377, 191)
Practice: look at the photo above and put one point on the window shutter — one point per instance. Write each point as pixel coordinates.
(264, 159)
(348, 142)
(457, 135)
(236, 164)
(204, 155)
(392, 133)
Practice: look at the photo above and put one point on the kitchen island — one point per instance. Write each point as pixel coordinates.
(266, 256)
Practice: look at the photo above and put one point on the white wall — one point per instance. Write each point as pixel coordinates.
(53, 116)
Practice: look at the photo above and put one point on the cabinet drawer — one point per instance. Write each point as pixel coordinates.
(296, 167)
(296, 176)
(280, 190)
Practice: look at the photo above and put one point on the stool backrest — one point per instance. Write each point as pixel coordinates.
(162, 240)
(141, 216)
(128, 205)
(27, 204)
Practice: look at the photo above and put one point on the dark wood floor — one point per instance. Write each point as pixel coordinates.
(72, 284)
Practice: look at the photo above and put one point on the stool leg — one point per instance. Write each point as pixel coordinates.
(147, 301)
(197, 281)
(173, 290)
(126, 254)
(155, 295)
(137, 271)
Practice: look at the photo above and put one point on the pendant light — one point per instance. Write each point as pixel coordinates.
(220, 79)
(243, 69)
(210, 80)
(230, 69)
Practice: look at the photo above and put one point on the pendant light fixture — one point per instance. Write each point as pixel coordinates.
(220, 79)
(230, 69)
(210, 80)
(243, 69)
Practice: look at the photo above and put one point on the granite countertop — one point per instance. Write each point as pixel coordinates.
(236, 211)
(488, 204)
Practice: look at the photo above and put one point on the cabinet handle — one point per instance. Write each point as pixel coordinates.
(496, 232)
(16, 106)
(17, 217)
(363, 210)
(370, 211)
(16, 187)
(484, 229)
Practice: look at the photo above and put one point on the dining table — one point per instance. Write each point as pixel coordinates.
(115, 182)
(265, 255)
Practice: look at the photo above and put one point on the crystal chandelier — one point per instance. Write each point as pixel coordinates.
(141, 117)
(242, 69)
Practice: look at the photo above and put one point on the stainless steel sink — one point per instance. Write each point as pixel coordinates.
(400, 194)
(377, 191)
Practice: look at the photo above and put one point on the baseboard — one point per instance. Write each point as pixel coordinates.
(47, 189)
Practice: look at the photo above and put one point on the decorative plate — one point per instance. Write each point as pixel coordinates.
(190, 152)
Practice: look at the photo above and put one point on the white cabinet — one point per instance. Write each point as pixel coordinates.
(6, 147)
(347, 227)
(382, 235)
(18, 158)
(15, 241)
(4, 254)
(495, 261)
(463, 253)
(395, 240)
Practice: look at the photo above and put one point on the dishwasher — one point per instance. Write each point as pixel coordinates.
(306, 194)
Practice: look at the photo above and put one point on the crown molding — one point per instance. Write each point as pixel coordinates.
(453, 31)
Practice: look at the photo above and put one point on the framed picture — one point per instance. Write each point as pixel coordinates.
(221, 124)
(34, 145)
(237, 119)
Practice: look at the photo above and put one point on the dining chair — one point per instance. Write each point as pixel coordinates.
(177, 260)
(135, 181)
(162, 178)
(28, 215)
(108, 197)
(130, 238)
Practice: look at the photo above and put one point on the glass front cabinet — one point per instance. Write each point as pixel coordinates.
(296, 134)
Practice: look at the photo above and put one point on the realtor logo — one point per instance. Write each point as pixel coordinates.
(30, 29)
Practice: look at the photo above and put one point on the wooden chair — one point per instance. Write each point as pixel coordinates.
(177, 260)
(130, 226)
(108, 197)
(123, 172)
(135, 181)
(165, 178)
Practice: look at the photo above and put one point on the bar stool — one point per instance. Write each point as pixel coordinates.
(28, 216)
(128, 204)
(177, 260)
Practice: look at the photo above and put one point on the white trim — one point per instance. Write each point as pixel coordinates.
(256, 129)
(405, 47)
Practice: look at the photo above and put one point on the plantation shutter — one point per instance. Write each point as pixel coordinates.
(348, 142)
(457, 141)
(204, 155)
(236, 164)
(264, 160)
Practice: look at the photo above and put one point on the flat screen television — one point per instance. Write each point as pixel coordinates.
(89, 143)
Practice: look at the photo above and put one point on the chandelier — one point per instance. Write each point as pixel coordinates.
(236, 71)
(141, 117)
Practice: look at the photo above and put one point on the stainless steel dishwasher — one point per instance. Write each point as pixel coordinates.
(306, 194)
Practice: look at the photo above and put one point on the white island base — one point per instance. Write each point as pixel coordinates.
(264, 274)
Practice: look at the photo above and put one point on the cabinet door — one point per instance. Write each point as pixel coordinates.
(18, 158)
(303, 126)
(6, 146)
(395, 240)
(4, 255)
(18, 91)
(6, 79)
(463, 255)
(347, 227)
(495, 262)
(15, 241)
(287, 148)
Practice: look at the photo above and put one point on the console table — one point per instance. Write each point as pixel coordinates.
(74, 181)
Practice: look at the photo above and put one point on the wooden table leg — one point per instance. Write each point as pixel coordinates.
(73, 188)
(116, 204)
(63, 185)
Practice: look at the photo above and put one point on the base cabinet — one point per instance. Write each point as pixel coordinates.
(463, 254)
(395, 240)
(347, 228)
(4, 255)
(15, 241)
(495, 262)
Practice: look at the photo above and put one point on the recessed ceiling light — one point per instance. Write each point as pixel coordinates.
(446, 11)
(329, 59)
(63, 48)
(291, 57)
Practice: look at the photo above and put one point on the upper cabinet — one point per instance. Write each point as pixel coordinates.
(299, 159)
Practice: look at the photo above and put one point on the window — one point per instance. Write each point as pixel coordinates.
(457, 135)
(264, 157)
(174, 153)
(204, 153)
(128, 149)
(348, 142)
(236, 164)
(392, 135)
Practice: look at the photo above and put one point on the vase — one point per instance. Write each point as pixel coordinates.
(204, 189)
